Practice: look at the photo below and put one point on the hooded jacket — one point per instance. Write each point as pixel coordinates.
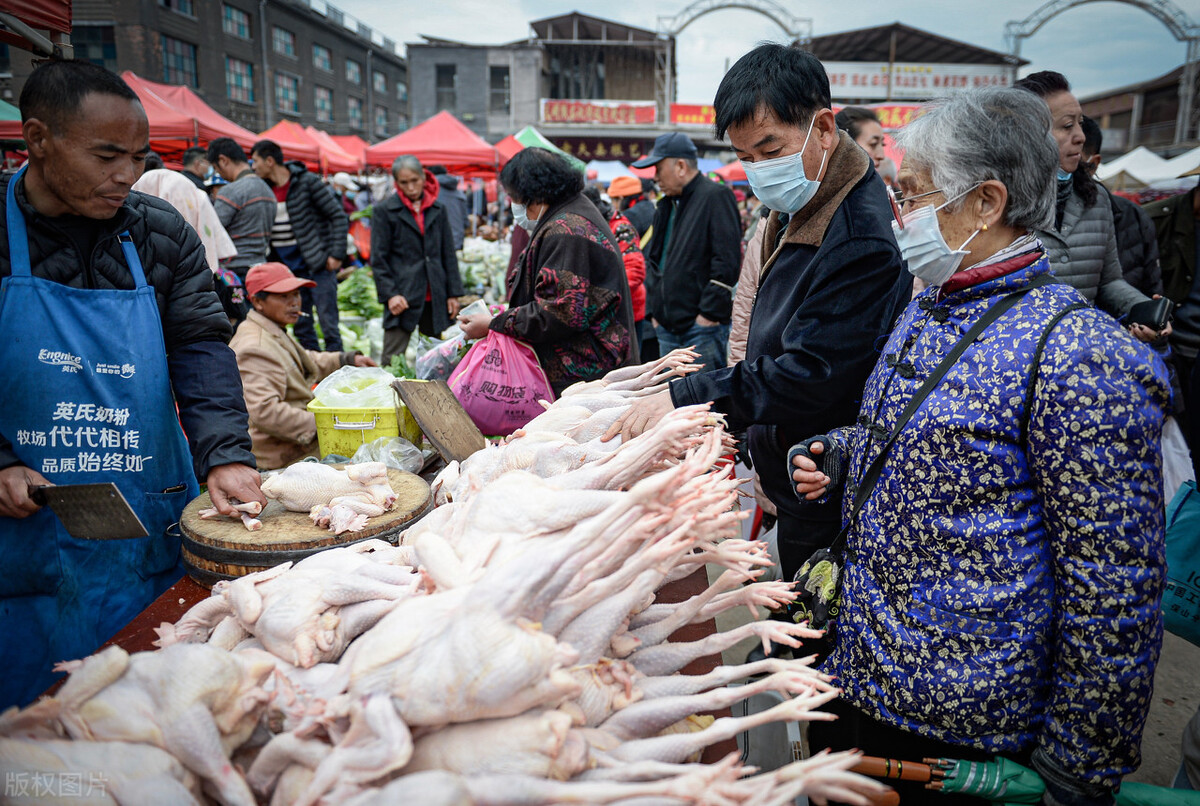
(203, 371)
(414, 259)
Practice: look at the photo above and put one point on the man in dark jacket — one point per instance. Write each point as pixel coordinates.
(412, 258)
(96, 280)
(454, 201)
(693, 257)
(831, 286)
(309, 237)
(1137, 245)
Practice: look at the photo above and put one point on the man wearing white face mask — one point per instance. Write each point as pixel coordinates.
(831, 285)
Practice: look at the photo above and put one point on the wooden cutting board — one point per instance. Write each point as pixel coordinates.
(223, 548)
(445, 423)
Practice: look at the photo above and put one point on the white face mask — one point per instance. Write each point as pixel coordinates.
(922, 246)
(781, 183)
(521, 219)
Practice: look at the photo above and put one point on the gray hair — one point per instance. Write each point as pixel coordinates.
(1001, 134)
(410, 163)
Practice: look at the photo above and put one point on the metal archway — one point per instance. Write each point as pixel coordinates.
(1166, 12)
(797, 28)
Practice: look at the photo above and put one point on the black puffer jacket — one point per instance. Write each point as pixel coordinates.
(1137, 245)
(318, 219)
(203, 369)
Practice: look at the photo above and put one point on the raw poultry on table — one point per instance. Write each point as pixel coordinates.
(511, 650)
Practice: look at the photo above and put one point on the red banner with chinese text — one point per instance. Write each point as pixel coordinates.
(692, 115)
(616, 113)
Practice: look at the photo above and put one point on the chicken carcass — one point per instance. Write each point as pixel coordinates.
(109, 773)
(305, 485)
(194, 701)
(247, 511)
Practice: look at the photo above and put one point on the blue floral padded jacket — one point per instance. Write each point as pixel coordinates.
(1001, 590)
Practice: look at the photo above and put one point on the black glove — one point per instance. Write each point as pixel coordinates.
(828, 461)
(1064, 789)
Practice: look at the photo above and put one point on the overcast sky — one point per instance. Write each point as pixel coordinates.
(1098, 46)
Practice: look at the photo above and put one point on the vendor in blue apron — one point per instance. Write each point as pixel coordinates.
(114, 346)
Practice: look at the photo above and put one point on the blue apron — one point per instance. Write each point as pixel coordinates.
(88, 399)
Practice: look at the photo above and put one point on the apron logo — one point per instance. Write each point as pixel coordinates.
(56, 358)
(124, 370)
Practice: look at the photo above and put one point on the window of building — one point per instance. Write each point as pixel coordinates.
(182, 6)
(402, 92)
(322, 58)
(381, 121)
(235, 22)
(499, 96)
(355, 109)
(284, 41)
(92, 43)
(379, 81)
(179, 62)
(239, 80)
(324, 104)
(353, 71)
(446, 81)
(287, 93)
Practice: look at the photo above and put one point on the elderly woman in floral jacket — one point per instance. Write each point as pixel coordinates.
(568, 295)
(1002, 579)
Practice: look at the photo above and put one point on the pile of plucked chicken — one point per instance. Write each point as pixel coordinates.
(511, 650)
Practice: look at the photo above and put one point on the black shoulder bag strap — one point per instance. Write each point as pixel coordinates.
(867, 483)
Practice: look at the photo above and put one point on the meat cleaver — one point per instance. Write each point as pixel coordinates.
(90, 511)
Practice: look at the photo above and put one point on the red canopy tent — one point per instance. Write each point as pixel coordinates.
(508, 147)
(41, 15)
(209, 123)
(441, 140)
(334, 158)
(352, 144)
(733, 172)
(295, 142)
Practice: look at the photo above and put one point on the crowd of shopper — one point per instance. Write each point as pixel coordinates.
(973, 411)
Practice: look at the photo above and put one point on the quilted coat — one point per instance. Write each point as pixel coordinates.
(1083, 254)
(1002, 581)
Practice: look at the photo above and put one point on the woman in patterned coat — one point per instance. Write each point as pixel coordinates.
(567, 292)
(1002, 580)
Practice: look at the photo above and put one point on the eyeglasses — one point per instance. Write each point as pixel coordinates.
(903, 200)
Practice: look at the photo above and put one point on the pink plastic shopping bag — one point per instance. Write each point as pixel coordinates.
(499, 382)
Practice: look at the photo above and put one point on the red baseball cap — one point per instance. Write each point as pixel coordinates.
(274, 278)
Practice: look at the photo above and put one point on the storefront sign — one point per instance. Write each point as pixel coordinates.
(603, 148)
(912, 80)
(692, 115)
(613, 113)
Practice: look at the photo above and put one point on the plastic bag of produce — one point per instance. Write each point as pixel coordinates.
(499, 383)
(357, 388)
(395, 452)
(439, 358)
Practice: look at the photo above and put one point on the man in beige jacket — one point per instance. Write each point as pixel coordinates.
(277, 373)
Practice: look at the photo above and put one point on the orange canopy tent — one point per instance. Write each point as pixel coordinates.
(295, 142)
(334, 158)
(441, 140)
(208, 123)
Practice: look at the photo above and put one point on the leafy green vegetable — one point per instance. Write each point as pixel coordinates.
(356, 295)
(400, 368)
